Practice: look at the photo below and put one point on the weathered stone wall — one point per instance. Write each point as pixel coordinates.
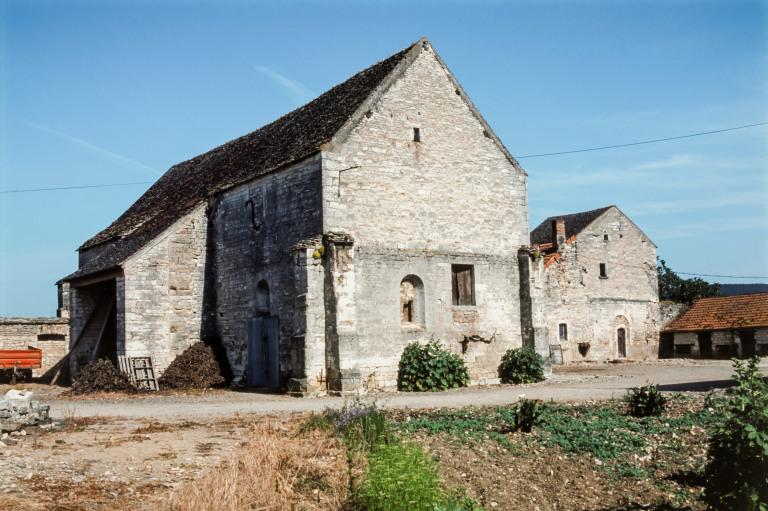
(255, 230)
(414, 208)
(162, 291)
(48, 334)
(571, 291)
(669, 311)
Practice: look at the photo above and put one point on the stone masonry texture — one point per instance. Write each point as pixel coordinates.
(412, 191)
(571, 291)
(48, 334)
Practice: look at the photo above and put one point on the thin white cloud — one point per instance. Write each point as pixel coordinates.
(298, 92)
(708, 227)
(672, 172)
(125, 160)
(699, 204)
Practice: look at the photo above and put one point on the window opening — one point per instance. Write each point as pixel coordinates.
(463, 284)
(412, 300)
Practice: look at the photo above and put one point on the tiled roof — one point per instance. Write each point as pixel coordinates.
(290, 138)
(723, 313)
(574, 224)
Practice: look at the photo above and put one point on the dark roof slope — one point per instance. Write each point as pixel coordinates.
(288, 139)
(723, 313)
(574, 224)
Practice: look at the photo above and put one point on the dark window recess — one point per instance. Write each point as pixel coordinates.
(563, 328)
(683, 349)
(407, 312)
(762, 349)
(603, 272)
(605, 237)
(416, 135)
(463, 280)
(51, 337)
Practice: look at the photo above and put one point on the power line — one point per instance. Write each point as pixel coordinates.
(720, 276)
(74, 187)
(643, 142)
(601, 148)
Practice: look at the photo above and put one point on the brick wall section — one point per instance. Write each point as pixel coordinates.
(571, 291)
(162, 289)
(48, 334)
(415, 208)
(287, 210)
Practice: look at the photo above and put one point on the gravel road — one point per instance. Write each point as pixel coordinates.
(593, 382)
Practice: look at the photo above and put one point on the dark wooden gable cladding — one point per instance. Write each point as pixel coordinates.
(463, 285)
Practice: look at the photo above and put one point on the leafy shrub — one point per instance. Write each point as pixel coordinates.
(401, 477)
(527, 413)
(428, 367)
(521, 365)
(645, 401)
(736, 475)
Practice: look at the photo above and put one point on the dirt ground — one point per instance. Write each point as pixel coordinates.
(124, 452)
(531, 477)
(113, 462)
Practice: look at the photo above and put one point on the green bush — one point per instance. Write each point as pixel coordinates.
(736, 475)
(521, 365)
(401, 477)
(428, 367)
(645, 401)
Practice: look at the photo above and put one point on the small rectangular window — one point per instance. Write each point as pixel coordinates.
(416, 134)
(463, 284)
(605, 237)
(603, 272)
(563, 332)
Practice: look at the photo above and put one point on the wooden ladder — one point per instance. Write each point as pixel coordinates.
(140, 371)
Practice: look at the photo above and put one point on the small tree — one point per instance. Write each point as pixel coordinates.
(736, 475)
(677, 289)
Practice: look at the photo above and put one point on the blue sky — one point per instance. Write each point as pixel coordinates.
(115, 92)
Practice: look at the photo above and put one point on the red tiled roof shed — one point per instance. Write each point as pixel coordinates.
(723, 313)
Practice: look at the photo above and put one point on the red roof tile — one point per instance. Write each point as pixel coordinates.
(723, 313)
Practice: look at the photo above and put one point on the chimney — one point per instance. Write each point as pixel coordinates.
(63, 310)
(558, 233)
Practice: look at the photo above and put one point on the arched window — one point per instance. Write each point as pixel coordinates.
(412, 301)
(262, 298)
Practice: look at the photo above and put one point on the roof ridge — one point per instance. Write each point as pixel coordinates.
(112, 231)
(290, 138)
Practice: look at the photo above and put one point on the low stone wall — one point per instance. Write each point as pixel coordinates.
(48, 334)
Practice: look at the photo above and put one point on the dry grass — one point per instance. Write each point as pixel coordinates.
(276, 470)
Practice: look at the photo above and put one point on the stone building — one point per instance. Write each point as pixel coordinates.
(49, 334)
(317, 247)
(721, 327)
(593, 287)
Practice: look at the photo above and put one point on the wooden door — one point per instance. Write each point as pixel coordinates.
(621, 339)
(263, 352)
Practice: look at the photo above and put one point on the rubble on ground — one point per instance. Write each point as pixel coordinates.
(195, 368)
(101, 376)
(17, 410)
